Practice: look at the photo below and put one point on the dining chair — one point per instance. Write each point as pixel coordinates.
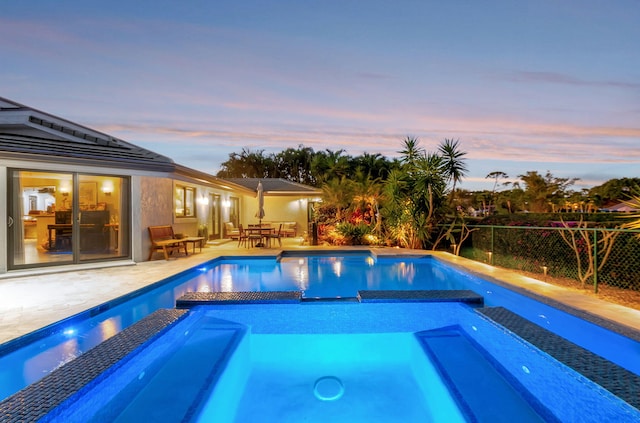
(276, 235)
(243, 236)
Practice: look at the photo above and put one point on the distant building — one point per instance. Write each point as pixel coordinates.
(624, 207)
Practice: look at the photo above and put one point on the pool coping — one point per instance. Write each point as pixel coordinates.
(619, 381)
(466, 296)
(194, 299)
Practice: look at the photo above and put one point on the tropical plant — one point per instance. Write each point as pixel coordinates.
(415, 195)
(453, 164)
(339, 193)
(633, 202)
(327, 165)
(354, 234)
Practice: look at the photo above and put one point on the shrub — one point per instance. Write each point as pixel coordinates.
(353, 234)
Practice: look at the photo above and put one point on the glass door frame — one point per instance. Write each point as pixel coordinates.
(16, 249)
(215, 218)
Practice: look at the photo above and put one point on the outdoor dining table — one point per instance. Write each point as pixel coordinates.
(264, 232)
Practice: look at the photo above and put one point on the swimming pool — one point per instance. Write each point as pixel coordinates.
(340, 277)
(336, 362)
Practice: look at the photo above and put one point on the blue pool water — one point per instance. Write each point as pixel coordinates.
(329, 276)
(27, 360)
(334, 362)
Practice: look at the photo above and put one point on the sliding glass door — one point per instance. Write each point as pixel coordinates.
(64, 218)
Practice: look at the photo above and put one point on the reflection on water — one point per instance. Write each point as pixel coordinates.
(327, 276)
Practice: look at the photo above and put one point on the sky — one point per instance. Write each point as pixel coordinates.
(541, 85)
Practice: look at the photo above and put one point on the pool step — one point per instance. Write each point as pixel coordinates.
(481, 388)
(615, 379)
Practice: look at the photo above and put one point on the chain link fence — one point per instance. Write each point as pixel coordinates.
(591, 256)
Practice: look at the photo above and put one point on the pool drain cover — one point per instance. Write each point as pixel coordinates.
(328, 388)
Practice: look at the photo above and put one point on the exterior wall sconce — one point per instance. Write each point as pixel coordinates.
(107, 188)
(226, 204)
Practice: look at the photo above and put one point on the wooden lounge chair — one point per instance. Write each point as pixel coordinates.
(163, 238)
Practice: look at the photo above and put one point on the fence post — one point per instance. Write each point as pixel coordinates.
(491, 250)
(595, 261)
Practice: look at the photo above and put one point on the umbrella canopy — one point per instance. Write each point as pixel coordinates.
(260, 194)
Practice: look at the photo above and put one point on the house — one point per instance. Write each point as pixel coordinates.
(79, 196)
(285, 202)
(630, 206)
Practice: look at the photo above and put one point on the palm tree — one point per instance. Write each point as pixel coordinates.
(367, 193)
(375, 165)
(634, 202)
(453, 162)
(329, 164)
(411, 151)
(414, 196)
(339, 193)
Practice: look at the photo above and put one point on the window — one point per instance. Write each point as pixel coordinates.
(185, 201)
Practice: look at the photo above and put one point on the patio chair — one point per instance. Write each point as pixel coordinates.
(276, 235)
(230, 231)
(247, 238)
(243, 236)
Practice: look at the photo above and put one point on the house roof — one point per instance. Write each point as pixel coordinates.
(276, 186)
(29, 133)
(625, 207)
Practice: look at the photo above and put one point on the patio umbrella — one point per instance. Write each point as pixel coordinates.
(260, 213)
(260, 195)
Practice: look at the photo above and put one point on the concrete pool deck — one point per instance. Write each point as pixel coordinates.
(32, 300)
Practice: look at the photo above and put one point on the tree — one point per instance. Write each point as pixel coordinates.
(415, 194)
(367, 193)
(496, 176)
(614, 190)
(411, 152)
(328, 164)
(541, 191)
(590, 256)
(375, 166)
(247, 164)
(453, 163)
(338, 192)
(295, 165)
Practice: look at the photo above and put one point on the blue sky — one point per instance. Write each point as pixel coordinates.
(530, 85)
